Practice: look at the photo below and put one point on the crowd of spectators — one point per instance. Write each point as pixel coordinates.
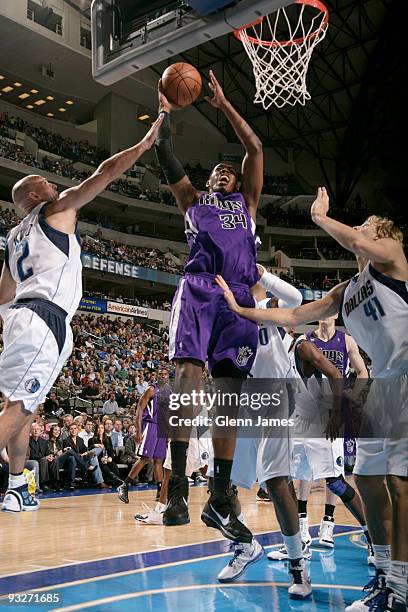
(335, 251)
(50, 141)
(160, 304)
(297, 251)
(353, 213)
(137, 256)
(65, 168)
(8, 219)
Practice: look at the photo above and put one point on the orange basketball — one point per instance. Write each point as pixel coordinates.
(181, 84)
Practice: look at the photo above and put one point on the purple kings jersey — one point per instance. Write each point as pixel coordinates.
(334, 350)
(156, 409)
(221, 236)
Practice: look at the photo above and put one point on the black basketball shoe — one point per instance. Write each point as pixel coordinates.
(176, 512)
(218, 513)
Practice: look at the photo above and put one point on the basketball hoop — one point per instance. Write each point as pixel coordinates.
(280, 47)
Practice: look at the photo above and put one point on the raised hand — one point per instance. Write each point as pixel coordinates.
(151, 135)
(320, 206)
(218, 99)
(261, 270)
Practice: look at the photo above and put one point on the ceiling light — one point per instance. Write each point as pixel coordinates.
(50, 114)
(34, 90)
(23, 96)
(70, 102)
(144, 117)
(39, 102)
(7, 89)
(2, 77)
(17, 84)
(50, 97)
(29, 106)
(62, 109)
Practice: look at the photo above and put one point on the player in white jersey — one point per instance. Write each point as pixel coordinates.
(267, 458)
(40, 290)
(316, 457)
(342, 352)
(374, 306)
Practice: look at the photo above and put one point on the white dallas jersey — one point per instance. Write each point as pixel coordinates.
(44, 262)
(375, 313)
(272, 359)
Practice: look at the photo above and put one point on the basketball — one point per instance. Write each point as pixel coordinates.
(181, 84)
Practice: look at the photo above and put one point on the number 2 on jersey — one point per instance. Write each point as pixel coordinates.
(25, 252)
(373, 308)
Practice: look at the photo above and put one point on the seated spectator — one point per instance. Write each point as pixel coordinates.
(91, 392)
(107, 457)
(61, 459)
(85, 460)
(117, 436)
(129, 455)
(87, 433)
(39, 451)
(141, 385)
(111, 405)
(67, 420)
(52, 406)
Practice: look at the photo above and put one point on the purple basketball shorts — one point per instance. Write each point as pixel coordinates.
(203, 327)
(151, 446)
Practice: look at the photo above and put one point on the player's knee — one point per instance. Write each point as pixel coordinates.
(369, 485)
(398, 487)
(274, 486)
(189, 368)
(341, 488)
(227, 369)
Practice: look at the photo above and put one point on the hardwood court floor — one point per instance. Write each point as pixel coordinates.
(75, 528)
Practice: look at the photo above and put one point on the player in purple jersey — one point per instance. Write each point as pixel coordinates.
(150, 419)
(220, 229)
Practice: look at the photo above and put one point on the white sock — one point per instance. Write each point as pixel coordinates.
(293, 545)
(241, 518)
(16, 481)
(160, 507)
(397, 578)
(382, 556)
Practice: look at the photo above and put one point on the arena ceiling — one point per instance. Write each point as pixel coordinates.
(354, 77)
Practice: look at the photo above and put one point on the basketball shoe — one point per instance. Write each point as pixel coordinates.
(123, 493)
(388, 602)
(326, 533)
(371, 592)
(19, 500)
(262, 496)
(304, 529)
(218, 513)
(176, 512)
(301, 586)
(244, 556)
(152, 516)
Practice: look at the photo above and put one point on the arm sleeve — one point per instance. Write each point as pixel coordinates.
(172, 168)
(288, 296)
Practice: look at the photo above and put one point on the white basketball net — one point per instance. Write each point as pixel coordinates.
(280, 68)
